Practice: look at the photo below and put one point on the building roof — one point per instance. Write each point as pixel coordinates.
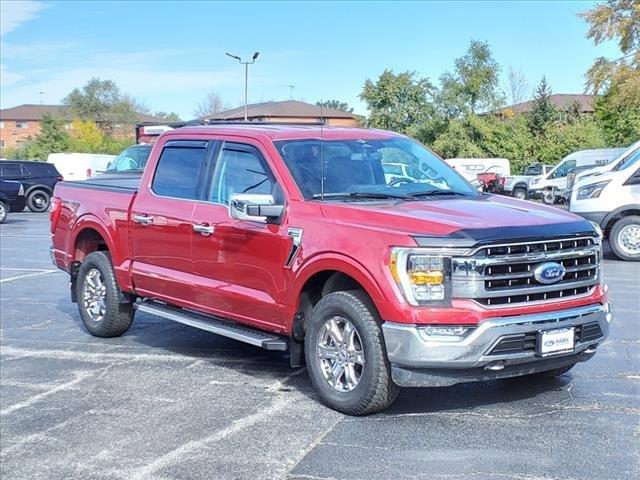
(283, 109)
(285, 132)
(562, 101)
(30, 111)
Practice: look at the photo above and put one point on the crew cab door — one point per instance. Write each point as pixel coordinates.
(161, 223)
(239, 264)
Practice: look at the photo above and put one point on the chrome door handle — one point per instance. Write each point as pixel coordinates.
(204, 229)
(143, 219)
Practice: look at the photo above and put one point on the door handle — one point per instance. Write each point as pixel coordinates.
(143, 219)
(204, 229)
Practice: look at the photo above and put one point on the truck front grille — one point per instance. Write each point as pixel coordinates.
(527, 342)
(503, 275)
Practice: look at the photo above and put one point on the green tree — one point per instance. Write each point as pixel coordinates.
(543, 112)
(94, 102)
(618, 110)
(474, 85)
(52, 139)
(168, 116)
(398, 102)
(336, 105)
(85, 137)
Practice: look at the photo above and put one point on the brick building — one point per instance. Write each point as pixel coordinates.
(288, 111)
(562, 101)
(19, 123)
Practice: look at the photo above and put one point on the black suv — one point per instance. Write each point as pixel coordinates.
(37, 178)
(11, 198)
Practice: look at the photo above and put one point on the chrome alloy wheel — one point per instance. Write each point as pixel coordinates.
(629, 239)
(94, 295)
(340, 354)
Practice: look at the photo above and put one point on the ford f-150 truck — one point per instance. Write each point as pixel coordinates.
(290, 239)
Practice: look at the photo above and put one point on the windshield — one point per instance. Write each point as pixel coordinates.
(132, 159)
(361, 169)
(629, 161)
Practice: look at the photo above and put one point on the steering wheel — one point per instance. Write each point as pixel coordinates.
(400, 181)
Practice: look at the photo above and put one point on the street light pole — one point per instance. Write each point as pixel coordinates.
(246, 77)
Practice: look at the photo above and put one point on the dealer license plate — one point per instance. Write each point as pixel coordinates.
(553, 342)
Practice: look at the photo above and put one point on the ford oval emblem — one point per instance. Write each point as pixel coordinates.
(549, 272)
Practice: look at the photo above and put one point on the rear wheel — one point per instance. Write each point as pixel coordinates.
(346, 355)
(520, 193)
(101, 310)
(549, 196)
(38, 201)
(4, 210)
(625, 238)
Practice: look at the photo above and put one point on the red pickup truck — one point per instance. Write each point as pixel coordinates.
(289, 238)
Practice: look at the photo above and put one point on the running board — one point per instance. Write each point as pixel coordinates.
(242, 333)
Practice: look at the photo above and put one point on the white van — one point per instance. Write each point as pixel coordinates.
(612, 200)
(470, 168)
(550, 186)
(80, 166)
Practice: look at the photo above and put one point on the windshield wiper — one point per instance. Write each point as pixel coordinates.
(364, 195)
(434, 193)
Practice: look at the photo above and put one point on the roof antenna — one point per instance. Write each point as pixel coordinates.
(321, 150)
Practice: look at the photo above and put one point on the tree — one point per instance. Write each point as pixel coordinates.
(398, 102)
(618, 110)
(473, 86)
(168, 116)
(51, 139)
(518, 87)
(336, 105)
(95, 101)
(85, 137)
(613, 20)
(542, 111)
(212, 103)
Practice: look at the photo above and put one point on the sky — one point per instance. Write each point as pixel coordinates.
(170, 54)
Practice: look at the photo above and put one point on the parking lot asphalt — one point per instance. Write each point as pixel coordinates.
(167, 401)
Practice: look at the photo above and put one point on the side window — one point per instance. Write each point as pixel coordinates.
(240, 171)
(11, 170)
(178, 172)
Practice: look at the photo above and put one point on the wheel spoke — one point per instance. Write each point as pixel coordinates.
(327, 352)
(334, 331)
(336, 373)
(348, 334)
(350, 377)
(358, 357)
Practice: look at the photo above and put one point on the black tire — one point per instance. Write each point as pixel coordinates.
(117, 316)
(4, 211)
(375, 390)
(520, 193)
(552, 373)
(617, 242)
(38, 201)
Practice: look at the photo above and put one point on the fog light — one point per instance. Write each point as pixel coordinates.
(495, 366)
(445, 333)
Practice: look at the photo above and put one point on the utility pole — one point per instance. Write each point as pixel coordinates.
(42, 97)
(246, 77)
(291, 87)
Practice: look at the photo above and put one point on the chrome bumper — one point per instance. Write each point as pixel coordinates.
(409, 347)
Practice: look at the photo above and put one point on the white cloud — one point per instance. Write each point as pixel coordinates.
(14, 13)
(9, 78)
(34, 50)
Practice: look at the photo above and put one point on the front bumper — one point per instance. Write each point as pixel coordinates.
(418, 360)
(535, 193)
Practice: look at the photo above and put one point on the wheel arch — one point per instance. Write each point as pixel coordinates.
(38, 186)
(612, 217)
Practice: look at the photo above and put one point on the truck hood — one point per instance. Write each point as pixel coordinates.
(485, 218)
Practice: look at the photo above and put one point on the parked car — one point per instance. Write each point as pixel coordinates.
(11, 198)
(131, 160)
(627, 158)
(470, 168)
(550, 186)
(37, 178)
(289, 238)
(612, 200)
(518, 185)
(80, 166)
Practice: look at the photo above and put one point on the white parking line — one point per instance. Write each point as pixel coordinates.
(36, 274)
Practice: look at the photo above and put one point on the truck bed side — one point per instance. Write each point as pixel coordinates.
(93, 215)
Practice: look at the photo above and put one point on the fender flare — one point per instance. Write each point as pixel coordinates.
(38, 186)
(339, 263)
(88, 221)
(609, 216)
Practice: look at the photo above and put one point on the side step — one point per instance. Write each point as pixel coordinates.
(242, 333)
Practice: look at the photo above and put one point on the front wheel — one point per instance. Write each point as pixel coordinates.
(346, 355)
(4, 210)
(625, 238)
(38, 201)
(98, 296)
(549, 196)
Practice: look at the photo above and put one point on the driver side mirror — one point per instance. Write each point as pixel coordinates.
(254, 207)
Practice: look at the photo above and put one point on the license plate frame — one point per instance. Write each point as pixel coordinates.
(555, 341)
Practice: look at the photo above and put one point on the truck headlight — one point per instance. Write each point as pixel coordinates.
(591, 191)
(423, 278)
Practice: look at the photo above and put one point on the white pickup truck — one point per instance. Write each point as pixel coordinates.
(518, 185)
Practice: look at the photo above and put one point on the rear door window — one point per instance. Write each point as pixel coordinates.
(179, 170)
(11, 170)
